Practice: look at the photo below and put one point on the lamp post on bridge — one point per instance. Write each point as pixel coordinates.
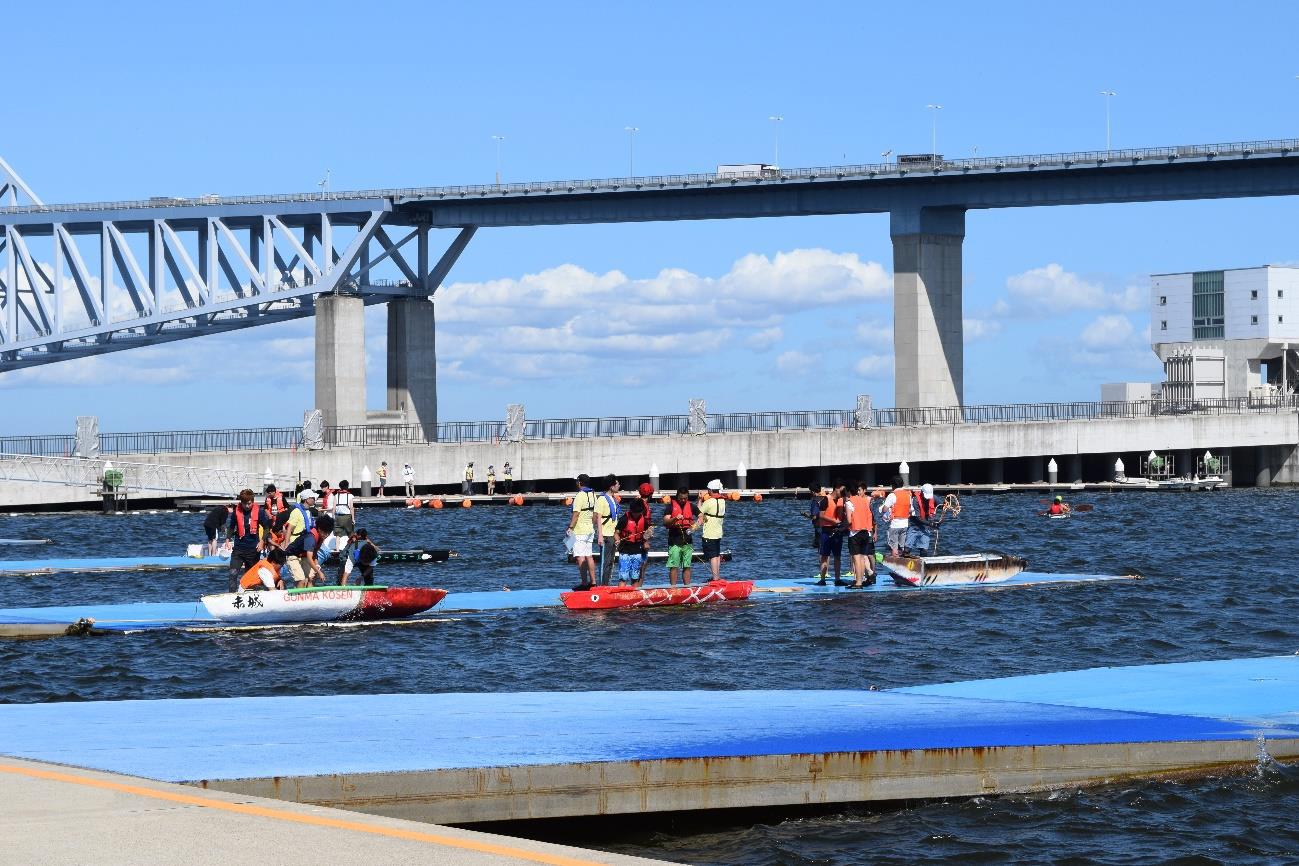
(776, 120)
(498, 139)
(933, 141)
(631, 149)
(1107, 94)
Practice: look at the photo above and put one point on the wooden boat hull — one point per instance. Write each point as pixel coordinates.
(611, 597)
(321, 604)
(970, 568)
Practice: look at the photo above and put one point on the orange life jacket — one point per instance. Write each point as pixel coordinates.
(861, 519)
(925, 508)
(901, 504)
(253, 576)
(275, 503)
(1056, 508)
(683, 515)
(832, 515)
(633, 530)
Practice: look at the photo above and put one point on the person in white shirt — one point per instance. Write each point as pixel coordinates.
(408, 475)
(897, 505)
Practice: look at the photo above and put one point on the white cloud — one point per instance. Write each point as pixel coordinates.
(1053, 289)
(1132, 299)
(1108, 332)
(795, 363)
(977, 329)
(540, 325)
(873, 366)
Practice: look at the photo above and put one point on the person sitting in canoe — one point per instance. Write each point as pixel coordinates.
(632, 534)
(1059, 506)
(265, 574)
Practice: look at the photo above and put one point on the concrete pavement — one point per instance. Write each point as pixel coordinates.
(58, 815)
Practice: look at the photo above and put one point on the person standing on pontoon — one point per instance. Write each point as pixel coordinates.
(408, 476)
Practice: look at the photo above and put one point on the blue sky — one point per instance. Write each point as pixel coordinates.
(108, 103)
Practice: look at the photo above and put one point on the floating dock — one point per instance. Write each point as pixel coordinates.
(32, 622)
(466, 758)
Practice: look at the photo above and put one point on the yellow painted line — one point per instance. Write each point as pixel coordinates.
(298, 818)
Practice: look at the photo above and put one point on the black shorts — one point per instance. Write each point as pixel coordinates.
(210, 532)
(861, 544)
(712, 548)
(367, 573)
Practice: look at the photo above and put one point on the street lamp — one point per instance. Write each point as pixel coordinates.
(498, 139)
(631, 149)
(775, 131)
(1107, 94)
(934, 132)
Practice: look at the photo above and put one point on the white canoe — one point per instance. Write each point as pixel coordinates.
(321, 604)
(967, 568)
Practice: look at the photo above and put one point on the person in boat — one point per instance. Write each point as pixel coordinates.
(1059, 506)
(343, 510)
(632, 533)
(924, 517)
(249, 528)
(608, 508)
(679, 520)
(264, 574)
(898, 505)
(646, 491)
(216, 518)
(712, 515)
(860, 515)
(832, 521)
(274, 502)
(581, 532)
(365, 553)
(300, 541)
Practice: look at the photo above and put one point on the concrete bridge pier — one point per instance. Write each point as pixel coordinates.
(868, 474)
(996, 471)
(927, 324)
(1074, 468)
(1262, 466)
(412, 363)
(953, 472)
(1036, 469)
(340, 359)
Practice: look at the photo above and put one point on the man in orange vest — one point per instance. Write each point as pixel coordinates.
(833, 522)
(861, 536)
(897, 505)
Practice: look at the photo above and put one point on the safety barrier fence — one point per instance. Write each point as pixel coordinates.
(1019, 162)
(451, 432)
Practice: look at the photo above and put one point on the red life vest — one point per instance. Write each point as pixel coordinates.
(251, 527)
(1056, 508)
(862, 519)
(633, 530)
(274, 503)
(682, 515)
(925, 508)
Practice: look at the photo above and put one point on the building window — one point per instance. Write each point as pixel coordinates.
(1253, 320)
(1163, 300)
(1163, 326)
(1207, 308)
(1253, 294)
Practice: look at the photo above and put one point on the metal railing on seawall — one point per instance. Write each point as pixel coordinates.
(453, 432)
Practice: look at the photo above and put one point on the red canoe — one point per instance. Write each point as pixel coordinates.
(609, 597)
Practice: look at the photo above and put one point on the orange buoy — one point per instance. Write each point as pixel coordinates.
(735, 496)
(466, 503)
(568, 500)
(517, 499)
(412, 503)
(757, 497)
(435, 503)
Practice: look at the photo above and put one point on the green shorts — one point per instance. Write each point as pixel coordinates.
(680, 555)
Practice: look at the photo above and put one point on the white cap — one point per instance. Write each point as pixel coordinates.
(306, 494)
(715, 484)
(927, 491)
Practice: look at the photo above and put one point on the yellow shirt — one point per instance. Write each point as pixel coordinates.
(607, 523)
(584, 506)
(295, 526)
(714, 512)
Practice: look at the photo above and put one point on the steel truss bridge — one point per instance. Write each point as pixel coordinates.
(85, 279)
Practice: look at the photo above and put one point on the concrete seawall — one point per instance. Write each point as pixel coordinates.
(1262, 447)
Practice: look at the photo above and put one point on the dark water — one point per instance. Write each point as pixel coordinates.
(1219, 584)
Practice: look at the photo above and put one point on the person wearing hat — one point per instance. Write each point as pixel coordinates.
(1058, 507)
(467, 486)
(712, 514)
(300, 541)
(646, 491)
(924, 516)
(408, 477)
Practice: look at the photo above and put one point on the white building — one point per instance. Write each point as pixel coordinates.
(1225, 333)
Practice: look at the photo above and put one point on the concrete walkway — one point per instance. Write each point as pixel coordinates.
(60, 815)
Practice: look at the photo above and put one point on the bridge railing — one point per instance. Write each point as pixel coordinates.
(493, 432)
(1281, 146)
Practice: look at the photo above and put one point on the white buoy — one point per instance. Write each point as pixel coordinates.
(741, 477)
(269, 478)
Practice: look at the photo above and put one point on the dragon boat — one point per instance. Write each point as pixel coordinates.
(321, 604)
(966, 568)
(611, 597)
